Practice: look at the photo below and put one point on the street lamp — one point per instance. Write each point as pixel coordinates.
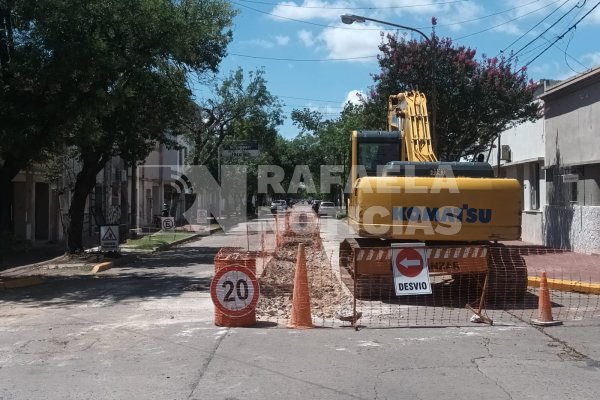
(351, 18)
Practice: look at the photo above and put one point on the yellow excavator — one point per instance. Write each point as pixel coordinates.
(401, 193)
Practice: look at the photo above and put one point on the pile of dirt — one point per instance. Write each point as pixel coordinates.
(277, 283)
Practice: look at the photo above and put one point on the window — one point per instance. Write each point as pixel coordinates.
(572, 188)
(534, 183)
(370, 155)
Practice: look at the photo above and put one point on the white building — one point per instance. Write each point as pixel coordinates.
(522, 156)
(572, 151)
(557, 161)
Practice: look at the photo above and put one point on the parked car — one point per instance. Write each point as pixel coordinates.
(326, 208)
(278, 206)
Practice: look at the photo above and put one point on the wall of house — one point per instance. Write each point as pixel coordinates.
(35, 211)
(526, 142)
(155, 184)
(574, 228)
(588, 186)
(572, 113)
(572, 123)
(532, 227)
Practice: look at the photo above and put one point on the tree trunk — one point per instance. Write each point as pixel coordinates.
(134, 199)
(85, 182)
(7, 173)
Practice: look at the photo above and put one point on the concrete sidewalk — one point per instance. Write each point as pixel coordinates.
(566, 271)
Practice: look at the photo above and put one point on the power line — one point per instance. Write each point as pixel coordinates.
(311, 106)
(222, 79)
(506, 22)
(486, 16)
(574, 26)
(565, 51)
(293, 19)
(302, 59)
(567, 61)
(355, 8)
(539, 46)
(303, 98)
(394, 29)
(534, 49)
(532, 28)
(547, 29)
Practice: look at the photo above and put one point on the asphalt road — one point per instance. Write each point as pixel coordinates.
(145, 331)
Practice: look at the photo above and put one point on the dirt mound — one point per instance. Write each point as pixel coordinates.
(277, 280)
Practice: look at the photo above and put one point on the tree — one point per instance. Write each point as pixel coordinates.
(118, 71)
(475, 100)
(30, 109)
(241, 109)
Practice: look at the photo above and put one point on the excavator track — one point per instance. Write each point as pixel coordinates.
(365, 266)
(507, 278)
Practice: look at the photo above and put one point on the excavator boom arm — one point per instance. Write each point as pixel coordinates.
(407, 113)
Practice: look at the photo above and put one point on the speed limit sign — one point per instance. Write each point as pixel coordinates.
(234, 290)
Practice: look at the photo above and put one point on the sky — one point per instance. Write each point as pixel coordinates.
(311, 59)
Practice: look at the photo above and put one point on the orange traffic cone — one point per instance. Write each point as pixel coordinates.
(544, 305)
(300, 317)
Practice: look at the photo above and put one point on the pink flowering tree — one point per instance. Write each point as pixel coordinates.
(474, 99)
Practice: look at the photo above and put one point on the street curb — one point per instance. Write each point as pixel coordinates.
(117, 262)
(20, 282)
(168, 246)
(29, 266)
(565, 285)
(102, 267)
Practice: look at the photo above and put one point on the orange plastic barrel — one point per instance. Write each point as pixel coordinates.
(229, 257)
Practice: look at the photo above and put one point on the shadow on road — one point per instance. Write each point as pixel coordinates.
(152, 276)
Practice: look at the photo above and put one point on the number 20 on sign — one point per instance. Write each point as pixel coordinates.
(234, 290)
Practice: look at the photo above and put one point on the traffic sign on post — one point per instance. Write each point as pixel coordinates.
(168, 224)
(409, 265)
(202, 220)
(109, 238)
(234, 290)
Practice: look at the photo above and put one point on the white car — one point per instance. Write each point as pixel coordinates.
(327, 208)
(278, 206)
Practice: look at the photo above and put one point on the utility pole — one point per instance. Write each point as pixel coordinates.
(350, 18)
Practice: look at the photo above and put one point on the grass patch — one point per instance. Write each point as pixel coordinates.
(158, 239)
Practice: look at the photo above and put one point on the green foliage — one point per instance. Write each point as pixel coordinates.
(151, 242)
(107, 77)
(241, 109)
(309, 121)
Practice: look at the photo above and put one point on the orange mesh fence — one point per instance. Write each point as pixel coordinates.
(510, 295)
(362, 285)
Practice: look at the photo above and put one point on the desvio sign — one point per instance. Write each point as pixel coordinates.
(409, 265)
